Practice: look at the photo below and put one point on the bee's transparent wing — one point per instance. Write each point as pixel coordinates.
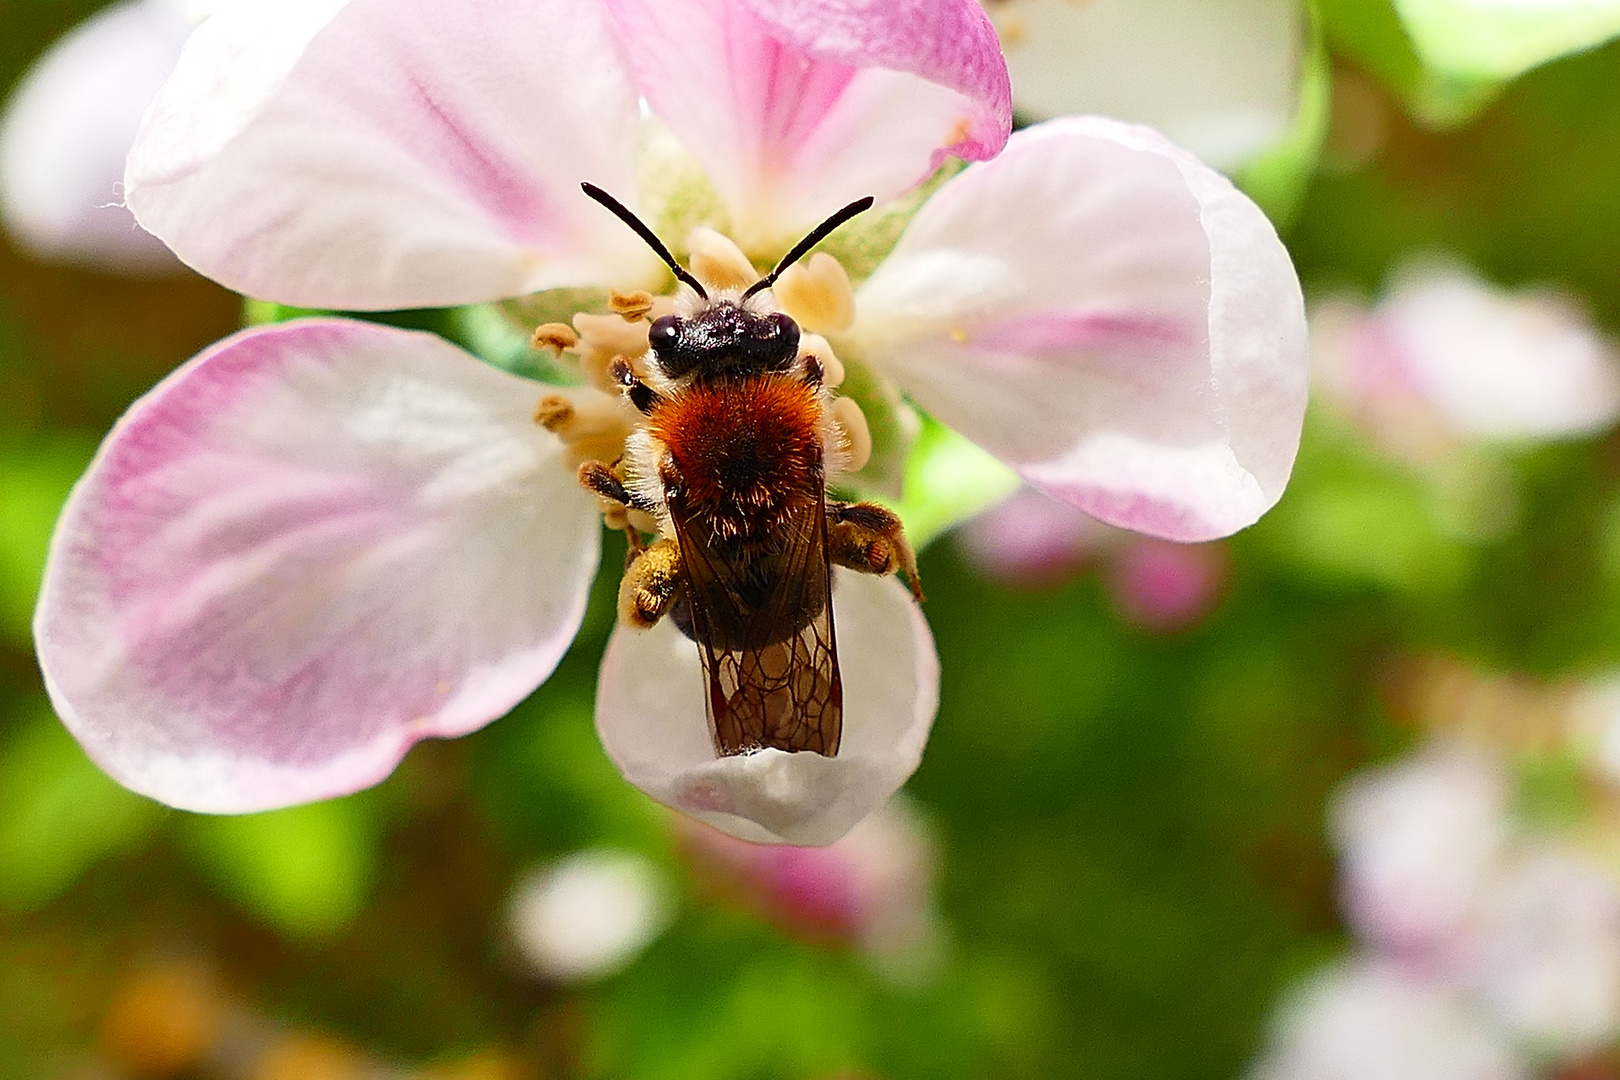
(771, 674)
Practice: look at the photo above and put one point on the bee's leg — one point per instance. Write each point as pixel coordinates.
(870, 538)
(650, 584)
(600, 480)
(642, 396)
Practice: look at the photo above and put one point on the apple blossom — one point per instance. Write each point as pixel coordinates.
(321, 541)
(1445, 358)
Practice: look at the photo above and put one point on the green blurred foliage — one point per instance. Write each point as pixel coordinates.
(307, 871)
(59, 813)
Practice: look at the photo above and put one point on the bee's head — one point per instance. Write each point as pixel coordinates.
(724, 339)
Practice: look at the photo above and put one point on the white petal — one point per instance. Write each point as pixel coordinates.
(1106, 314)
(308, 548)
(377, 154)
(1219, 77)
(798, 109)
(650, 715)
(67, 130)
(1369, 1020)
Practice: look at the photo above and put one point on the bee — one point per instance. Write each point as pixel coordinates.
(731, 458)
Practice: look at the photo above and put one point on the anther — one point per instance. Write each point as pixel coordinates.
(555, 336)
(554, 412)
(630, 306)
(817, 294)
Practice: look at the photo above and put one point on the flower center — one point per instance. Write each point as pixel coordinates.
(594, 424)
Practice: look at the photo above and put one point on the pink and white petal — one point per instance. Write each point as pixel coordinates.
(376, 154)
(1219, 77)
(309, 547)
(66, 132)
(1498, 364)
(797, 109)
(1109, 316)
(650, 716)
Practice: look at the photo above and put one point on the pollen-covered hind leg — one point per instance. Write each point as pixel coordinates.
(650, 583)
(871, 539)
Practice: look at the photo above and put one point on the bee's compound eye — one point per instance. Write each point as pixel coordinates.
(664, 333)
(785, 330)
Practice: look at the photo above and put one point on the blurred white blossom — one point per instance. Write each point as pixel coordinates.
(588, 915)
(68, 127)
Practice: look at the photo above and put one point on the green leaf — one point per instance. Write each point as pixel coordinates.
(305, 871)
(34, 482)
(1496, 40)
(59, 814)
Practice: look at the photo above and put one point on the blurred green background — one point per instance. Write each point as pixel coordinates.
(1132, 866)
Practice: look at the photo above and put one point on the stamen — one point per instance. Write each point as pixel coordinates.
(857, 434)
(718, 261)
(817, 294)
(630, 306)
(555, 336)
(591, 427)
(605, 338)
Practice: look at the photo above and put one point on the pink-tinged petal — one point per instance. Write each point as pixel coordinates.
(1369, 1019)
(796, 109)
(395, 153)
(1498, 364)
(309, 547)
(1109, 316)
(649, 713)
(66, 132)
(1219, 77)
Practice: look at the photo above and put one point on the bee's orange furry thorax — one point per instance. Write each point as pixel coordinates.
(747, 449)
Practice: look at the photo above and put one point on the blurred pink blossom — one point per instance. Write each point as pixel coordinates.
(1031, 541)
(872, 890)
(1445, 358)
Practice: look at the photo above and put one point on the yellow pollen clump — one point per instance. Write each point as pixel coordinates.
(630, 306)
(817, 294)
(857, 435)
(555, 336)
(718, 262)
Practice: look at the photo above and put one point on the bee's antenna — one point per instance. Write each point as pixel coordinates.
(639, 227)
(817, 235)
